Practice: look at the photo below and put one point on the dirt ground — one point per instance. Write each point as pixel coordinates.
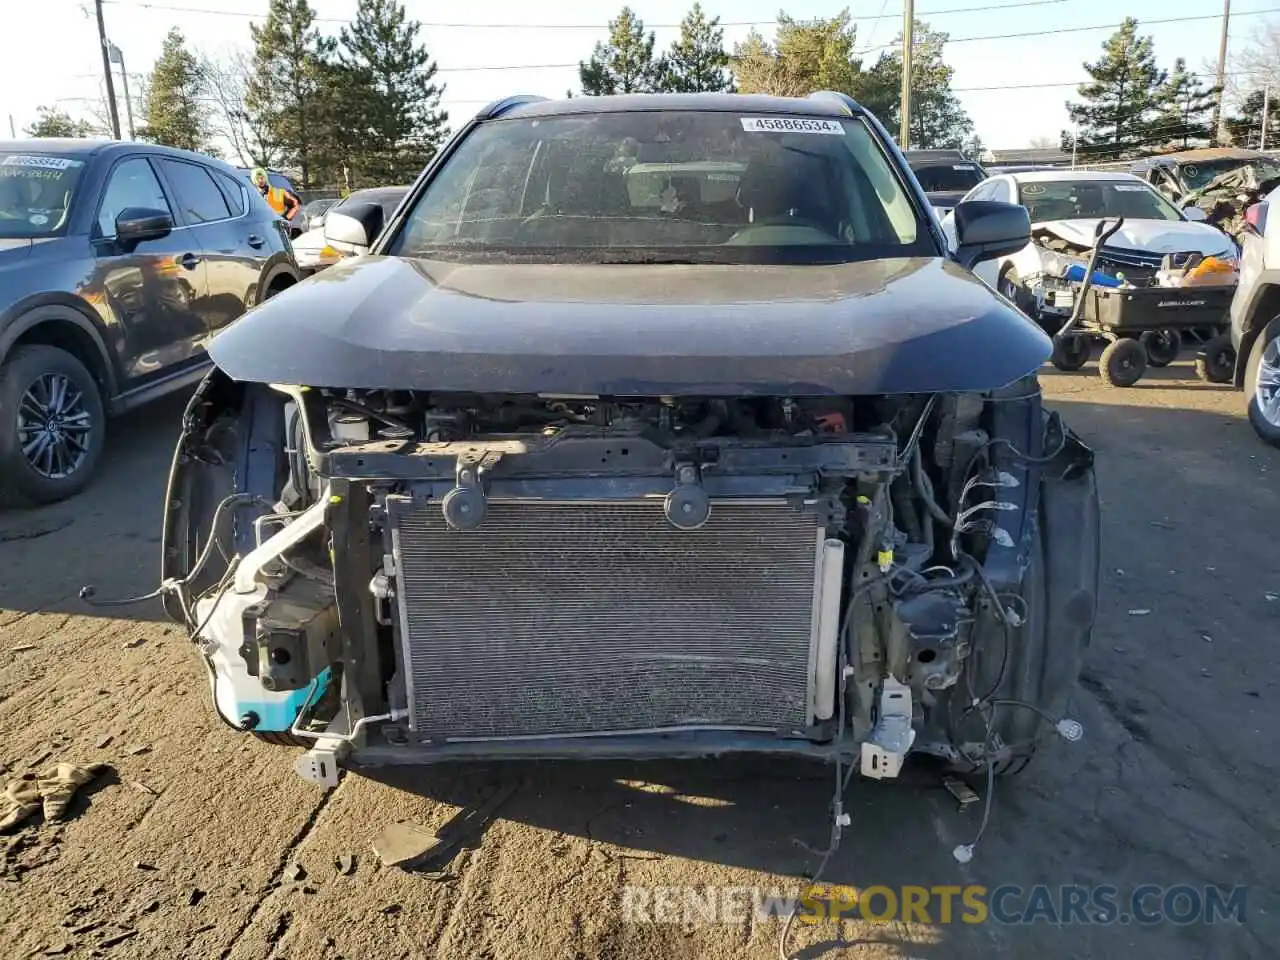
(191, 848)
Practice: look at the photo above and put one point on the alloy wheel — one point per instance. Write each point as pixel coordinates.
(1267, 394)
(54, 426)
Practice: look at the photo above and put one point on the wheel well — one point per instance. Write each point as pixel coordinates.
(69, 337)
(1265, 308)
(281, 281)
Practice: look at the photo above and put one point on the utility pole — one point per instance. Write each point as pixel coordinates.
(908, 29)
(1266, 108)
(116, 55)
(106, 70)
(13, 134)
(1219, 121)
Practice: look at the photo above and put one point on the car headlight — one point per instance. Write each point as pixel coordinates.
(1054, 264)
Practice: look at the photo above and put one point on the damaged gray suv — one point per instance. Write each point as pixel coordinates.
(651, 426)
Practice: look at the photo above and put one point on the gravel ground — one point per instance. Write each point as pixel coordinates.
(191, 847)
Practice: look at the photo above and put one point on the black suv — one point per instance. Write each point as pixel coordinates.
(117, 262)
(945, 175)
(649, 426)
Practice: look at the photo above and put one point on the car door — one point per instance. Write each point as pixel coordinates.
(155, 288)
(235, 247)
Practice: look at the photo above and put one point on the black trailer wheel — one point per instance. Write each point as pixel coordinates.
(1216, 362)
(1162, 346)
(1071, 352)
(1123, 363)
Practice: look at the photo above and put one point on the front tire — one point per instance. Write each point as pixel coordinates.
(1262, 386)
(1123, 363)
(1216, 362)
(1010, 287)
(52, 426)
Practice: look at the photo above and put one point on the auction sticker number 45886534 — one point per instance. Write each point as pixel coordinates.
(791, 125)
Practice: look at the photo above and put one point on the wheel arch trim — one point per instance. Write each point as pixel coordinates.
(59, 311)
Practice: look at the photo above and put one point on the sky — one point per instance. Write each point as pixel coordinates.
(1014, 88)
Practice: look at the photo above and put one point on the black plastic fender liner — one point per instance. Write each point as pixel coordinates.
(191, 493)
(1059, 589)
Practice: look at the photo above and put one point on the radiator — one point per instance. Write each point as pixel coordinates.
(562, 619)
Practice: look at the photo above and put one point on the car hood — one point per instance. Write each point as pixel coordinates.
(1147, 236)
(886, 326)
(311, 240)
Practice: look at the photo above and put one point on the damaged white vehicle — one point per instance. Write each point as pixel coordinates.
(1157, 247)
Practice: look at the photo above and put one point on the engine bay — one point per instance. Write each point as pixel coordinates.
(620, 576)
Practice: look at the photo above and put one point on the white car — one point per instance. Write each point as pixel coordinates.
(314, 251)
(1255, 321)
(1065, 207)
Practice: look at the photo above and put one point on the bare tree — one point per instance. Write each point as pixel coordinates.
(225, 78)
(1256, 65)
(1044, 143)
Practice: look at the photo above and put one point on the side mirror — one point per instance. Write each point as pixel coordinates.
(1194, 213)
(986, 229)
(357, 224)
(136, 224)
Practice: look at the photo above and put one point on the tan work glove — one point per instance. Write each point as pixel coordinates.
(59, 784)
(21, 798)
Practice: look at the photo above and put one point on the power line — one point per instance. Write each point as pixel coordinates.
(576, 26)
(1100, 26)
(1000, 36)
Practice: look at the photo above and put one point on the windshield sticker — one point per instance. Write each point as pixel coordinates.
(1032, 189)
(1190, 170)
(44, 163)
(791, 125)
(1131, 187)
(38, 219)
(29, 173)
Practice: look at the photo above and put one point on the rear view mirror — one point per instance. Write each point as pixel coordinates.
(986, 229)
(136, 224)
(356, 224)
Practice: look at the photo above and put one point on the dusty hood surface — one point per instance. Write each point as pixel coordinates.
(888, 326)
(1146, 236)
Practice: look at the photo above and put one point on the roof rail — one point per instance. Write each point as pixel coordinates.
(850, 105)
(499, 107)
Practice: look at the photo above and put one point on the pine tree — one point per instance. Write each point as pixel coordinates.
(805, 56)
(1186, 109)
(697, 60)
(624, 64)
(938, 120)
(175, 113)
(393, 100)
(52, 122)
(290, 92)
(1115, 118)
